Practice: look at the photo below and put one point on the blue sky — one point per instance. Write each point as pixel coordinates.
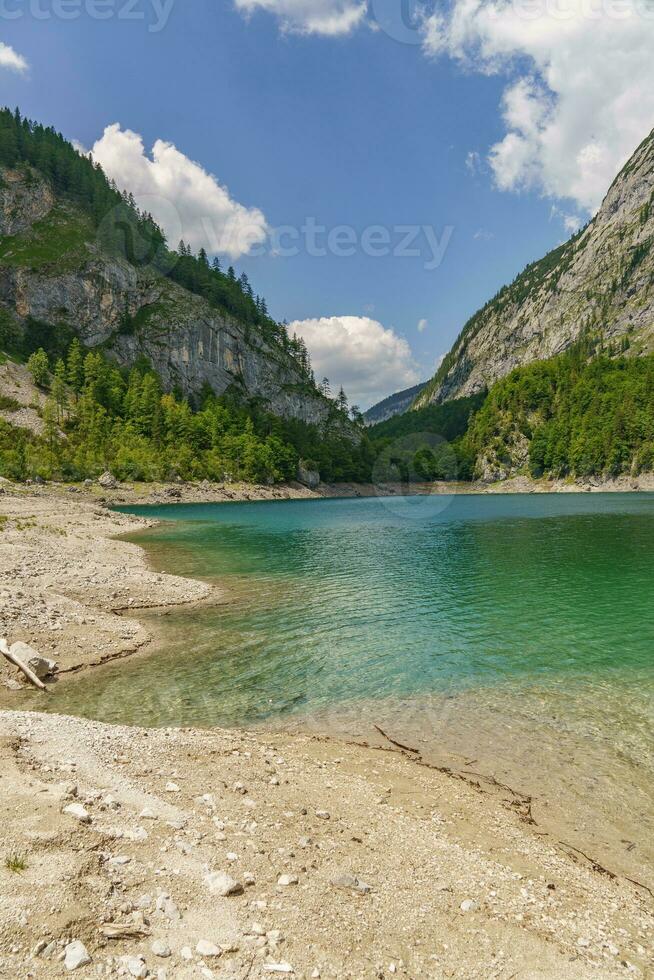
(351, 128)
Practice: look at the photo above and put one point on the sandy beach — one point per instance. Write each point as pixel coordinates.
(342, 860)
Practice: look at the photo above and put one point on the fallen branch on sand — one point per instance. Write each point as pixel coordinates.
(31, 676)
(407, 748)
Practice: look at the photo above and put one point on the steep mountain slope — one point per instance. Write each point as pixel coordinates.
(58, 267)
(392, 405)
(601, 280)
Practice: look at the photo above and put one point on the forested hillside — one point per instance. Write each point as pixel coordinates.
(99, 417)
(75, 253)
(584, 413)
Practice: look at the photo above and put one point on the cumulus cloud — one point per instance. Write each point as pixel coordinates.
(11, 60)
(327, 17)
(185, 200)
(369, 360)
(581, 92)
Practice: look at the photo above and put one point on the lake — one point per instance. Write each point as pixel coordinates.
(512, 634)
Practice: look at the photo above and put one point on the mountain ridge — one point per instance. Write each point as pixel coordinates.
(601, 279)
(67, 261)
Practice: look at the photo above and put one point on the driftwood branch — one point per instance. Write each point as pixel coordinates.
(407, 748)
(31, 676)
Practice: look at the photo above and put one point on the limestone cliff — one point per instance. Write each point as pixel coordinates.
(54, 268)
(602, 279)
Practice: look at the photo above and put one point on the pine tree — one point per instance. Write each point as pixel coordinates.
(75, 366)
(39, 367)
(59, 390)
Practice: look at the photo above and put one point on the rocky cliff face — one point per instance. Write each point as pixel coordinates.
(53, 269)
(602, 279)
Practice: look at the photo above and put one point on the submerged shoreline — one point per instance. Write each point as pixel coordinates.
(414, 834)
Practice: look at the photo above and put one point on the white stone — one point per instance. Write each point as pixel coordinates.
(285, 880)
(186, 953)
(220, 883)
(205, 948)
(147, 814)
(78, 811)
(135, 966)
(159, 948)
(322, 814)
(172, 787)
(468, 905)
(76, 955)
(278, 968)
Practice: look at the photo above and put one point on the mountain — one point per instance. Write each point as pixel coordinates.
(600, 281)
(392, 405)
(77, 257)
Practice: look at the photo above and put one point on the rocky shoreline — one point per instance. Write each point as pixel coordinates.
(176, 853)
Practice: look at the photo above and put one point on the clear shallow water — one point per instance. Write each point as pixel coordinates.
(335, 602)
(512, 635)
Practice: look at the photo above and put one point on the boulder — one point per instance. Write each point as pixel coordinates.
(108, 481)
(310, 478)
(76, 955)
(41, 666)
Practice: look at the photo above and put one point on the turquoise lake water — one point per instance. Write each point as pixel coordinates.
(513, 634)
(339, 601)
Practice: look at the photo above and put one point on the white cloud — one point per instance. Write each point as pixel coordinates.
(483, 235)
(422, 326)
(327, 17)
(185, 200)
(571, 222)
(11, 60)
(369, 360)
(473, 162)
(581, 94)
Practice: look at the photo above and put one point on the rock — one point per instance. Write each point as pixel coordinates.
(468, 905)
(205, 948)
(310, 478)
(107, 481)
(76, 955)
(186, 953)
(351, 883)
(220, 883)
(166, 905)
(42, 666)
(172, 788)
(278, 968)
(135, 966)
(78, 811)
(322, 814)
(285, 880)
(147, 814)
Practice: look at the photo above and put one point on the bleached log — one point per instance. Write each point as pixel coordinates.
(31, 676)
